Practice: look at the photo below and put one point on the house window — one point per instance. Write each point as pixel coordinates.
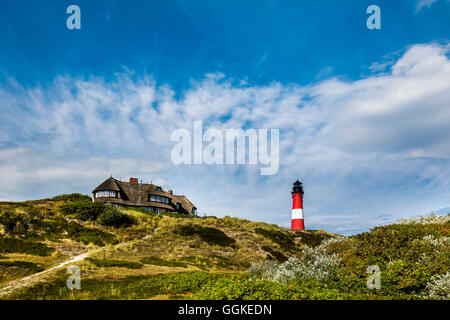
(105, 194)
(161, 199)
(178, 206)
(194, 211)
(158, 189)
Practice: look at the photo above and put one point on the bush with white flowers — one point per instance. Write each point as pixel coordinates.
(438, 288)
(432, 218)
(314, 264)
(437, 242)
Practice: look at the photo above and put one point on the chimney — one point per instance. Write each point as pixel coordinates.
(134, 181)
(170, 191)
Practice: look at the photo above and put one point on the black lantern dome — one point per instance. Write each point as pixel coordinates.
(298, 187)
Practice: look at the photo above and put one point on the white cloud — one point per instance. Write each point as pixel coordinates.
(424, 3)
(28, 174)
(372, 147)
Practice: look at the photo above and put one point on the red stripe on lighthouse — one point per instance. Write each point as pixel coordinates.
(297, 212)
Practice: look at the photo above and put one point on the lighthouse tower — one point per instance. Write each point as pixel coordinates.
(297, 207)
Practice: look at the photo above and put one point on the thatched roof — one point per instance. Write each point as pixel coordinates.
(108, 184)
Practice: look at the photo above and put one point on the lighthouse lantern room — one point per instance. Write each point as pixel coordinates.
(297, 207)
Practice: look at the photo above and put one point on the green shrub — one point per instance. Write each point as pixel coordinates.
(274, 255)
(405, 277)
(241, 287)
(312, 239)
(438, 288)
(79, 233)
(161, 262)
(178, 215)
(83, 210)
(134, 287)
(73, 197)
(12, 223)
(198, 261)
(115, 263)
(12, 245)
(315, 264)
(141, 210)
(22, 264)
(395, 241)
(284, 240)
(212, 236)
(224, 262)
(113, 217)
(35, 229)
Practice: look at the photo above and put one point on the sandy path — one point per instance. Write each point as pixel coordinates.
(34, 278)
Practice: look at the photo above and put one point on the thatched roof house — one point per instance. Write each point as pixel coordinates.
(142, 195)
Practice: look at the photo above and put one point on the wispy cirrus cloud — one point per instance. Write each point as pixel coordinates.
(425, 4)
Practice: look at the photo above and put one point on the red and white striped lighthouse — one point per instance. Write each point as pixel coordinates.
(297, 207)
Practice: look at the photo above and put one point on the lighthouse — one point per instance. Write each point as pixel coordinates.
(297, 207)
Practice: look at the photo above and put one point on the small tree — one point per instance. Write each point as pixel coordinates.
(113, 217)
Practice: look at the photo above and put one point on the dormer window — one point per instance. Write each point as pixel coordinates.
(105, 194)
(158, 189)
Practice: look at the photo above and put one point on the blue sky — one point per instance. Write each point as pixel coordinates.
(262, 41)
(363, 114)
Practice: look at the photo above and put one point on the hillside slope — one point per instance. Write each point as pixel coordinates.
(38, 235)
(133, 254)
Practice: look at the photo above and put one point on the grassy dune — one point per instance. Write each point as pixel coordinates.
(133, 254)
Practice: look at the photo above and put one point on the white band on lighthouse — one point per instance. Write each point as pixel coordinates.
(297, 213)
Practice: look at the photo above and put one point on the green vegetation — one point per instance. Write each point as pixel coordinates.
(409, 255)
(73, 197)
(83, 210)
(85, 235)
(214, 261)
(12, 269)
(161, 262)
(311, 238)
(274, 255)
(9, 245)
(35, 226)
(241, 287)
(113, 217)
(115, 263)
(22, 264)
(134, 287)
(224, 258)
(211, 236)
(106, 215)
(283, 239)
